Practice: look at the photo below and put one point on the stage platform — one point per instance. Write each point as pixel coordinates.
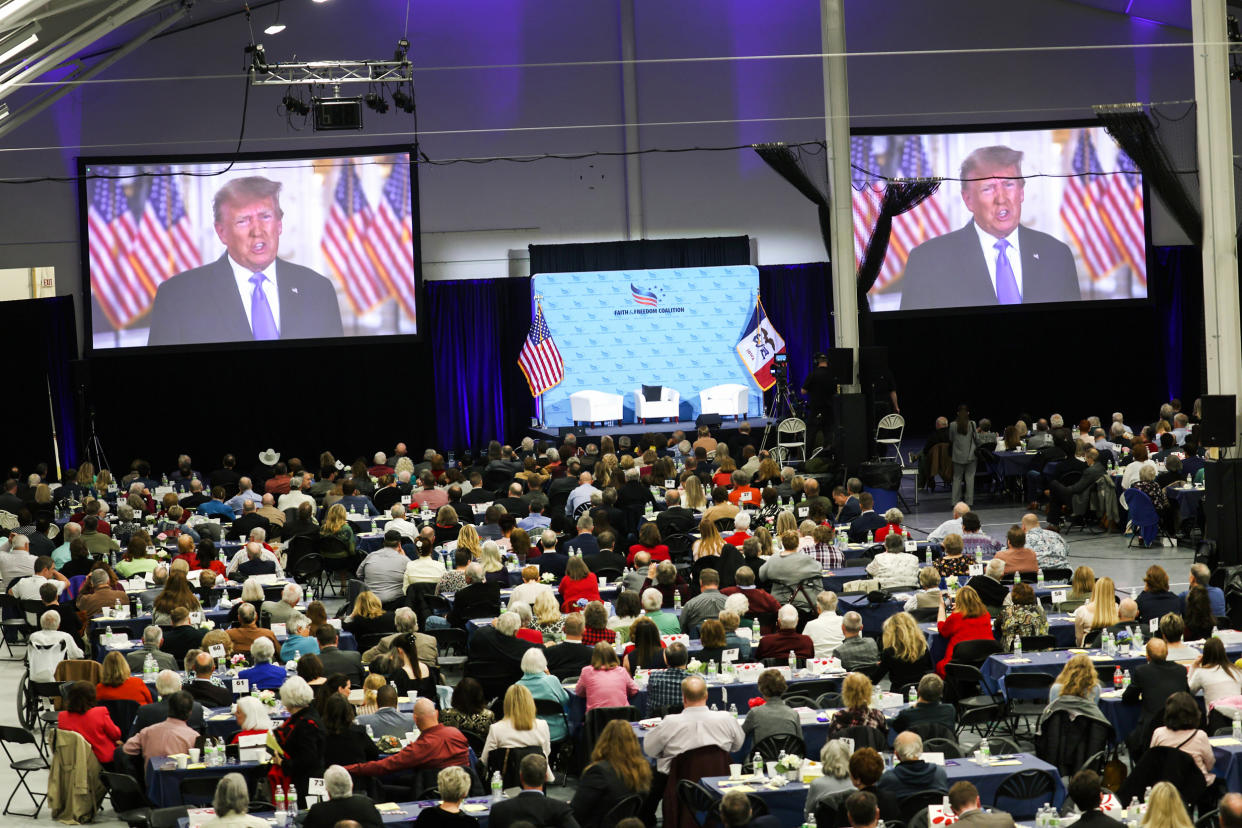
(757, 424)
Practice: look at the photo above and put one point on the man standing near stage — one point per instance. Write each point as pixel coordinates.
(819, 387)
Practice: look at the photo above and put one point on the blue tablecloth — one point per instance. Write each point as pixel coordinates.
(164, 784)
(1060, 627)
(1014, 463)
(407, 812)
(346, 642)
(785, 803)
(1187, 500)
(221, 723)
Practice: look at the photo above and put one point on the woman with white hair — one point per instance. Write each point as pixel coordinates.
(526, 622)
(252, 718)
(299, 641)
(251, 593)
(493, 567)
(835, 757)
(893, 519)
(454, 785)
(232, 803)
(342, 803)
(300, 741)
(545, 687)
(264, 675)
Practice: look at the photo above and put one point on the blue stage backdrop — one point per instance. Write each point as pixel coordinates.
(622, 329)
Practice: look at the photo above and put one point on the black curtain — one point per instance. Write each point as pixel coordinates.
(637, 255)
(794, 296)
(1138, 136)
(48, 328)
(899, 197)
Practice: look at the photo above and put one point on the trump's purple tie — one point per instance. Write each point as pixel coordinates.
(262, 322)
(1006, 283)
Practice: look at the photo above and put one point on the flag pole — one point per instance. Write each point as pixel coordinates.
(51, 410)
(538, 298)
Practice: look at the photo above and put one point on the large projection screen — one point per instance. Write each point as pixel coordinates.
(1066, 202)
(294, 250)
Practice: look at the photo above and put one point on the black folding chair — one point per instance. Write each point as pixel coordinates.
(128, 799)
(698, 799)
(23, 767)
(627, 806)
(949, 747)
(770, 747)
(198, 791)
(913, 803)
(1021, 793)
(167, 817)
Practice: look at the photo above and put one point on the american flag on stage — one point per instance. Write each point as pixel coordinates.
(867, 193)
(344, 246)
(540, 361)
(163, 246)
(926, 221)
(759, 346)
(1080, 211)
(391, 244)
(115, 284)
(1121, 207)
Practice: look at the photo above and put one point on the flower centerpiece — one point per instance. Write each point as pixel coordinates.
(268, 697)
(789, 765)
(207, 624)
(695, 666)
(237, 660)
(548, 578)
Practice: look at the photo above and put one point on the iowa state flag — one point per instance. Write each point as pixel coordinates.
(759, 346)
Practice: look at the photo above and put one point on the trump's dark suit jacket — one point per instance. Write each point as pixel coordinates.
(203, 305)
(950, 271)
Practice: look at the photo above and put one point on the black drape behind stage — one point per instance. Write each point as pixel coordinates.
(43, 341)
(644, 253)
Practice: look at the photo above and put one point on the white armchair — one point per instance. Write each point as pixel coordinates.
(595, 406)
(667, 406)
(728, 400)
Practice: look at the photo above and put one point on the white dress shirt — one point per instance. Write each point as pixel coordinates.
(403, 526)
(423, 571)
(988, 242)
(242, 276)
(953, 526)
(694, 728)
(825, 632)
(240, 557)
(1130, 475)
(292, 500)
(894, 569)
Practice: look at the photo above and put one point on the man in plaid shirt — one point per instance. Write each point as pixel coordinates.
(825, 549)
(664, 686)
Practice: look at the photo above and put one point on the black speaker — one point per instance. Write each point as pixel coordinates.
(1218, 426)
(850, 442)
(841, 363)
(1222, 508)
(709, 420)
(578, 431)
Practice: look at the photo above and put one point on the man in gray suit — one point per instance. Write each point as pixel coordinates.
(336, 660)
(152, 638)
(280, 611)
(964, 800)
(993, 260)
(247, 294)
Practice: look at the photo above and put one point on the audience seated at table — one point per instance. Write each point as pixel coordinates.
(409, 673)
(928, 595)
(964, 802)
(252, 718)
(519, 728)
(666, 622)
(579, 584)
(278, 612)
(368, 617)
(343, 804)
(969, 621)
(1215, 674)
(1151, 684)
(894, 566)
(786, 638)
(1016, 555)
(543, 686)
(526, 631)
(1075, 691)
(116, 682)
(348, 739)
(911, 774)
(825, 629)
(1156, 600)
(468, 710)
(617, 769)
(855, 651)
(496, 647)
(866, 768)
(1165, 808)
(1024, 616)
(231, 804)
(928, 708)
(856, 692)
(172, 735)
(668, 582)
(437, 746)
(1099, 613)
(834, 758)
(93, 723)
(905, 658)
(546, 617)
(649, 541)
(1086, 792)
(794, 577)
(454, 786)
(454, 580)
(604, 682)
(595, 624)
(478, 598)
(1081, 587)
(1172, 630)
(758, 600)
(1181, 730)
(773, 717)
(974, 539)
(1197, 614)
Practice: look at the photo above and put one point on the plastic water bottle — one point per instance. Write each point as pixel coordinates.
(1039, 577)
(927, 556)
(1125, 679)
(733, 712)
(108, 634)
(137, 607)
(1237, 728)
(371, 733)
(1017, 578)
(149, 667)
(498, 787)
(1017, 645)
(711, 667)
(913, 696)
(984, 750)
(870, 537)
(280, 805)
(677, 599)
(756, 764)
(754, 630)
(1118, 678)
(793, 661)
(291, 801)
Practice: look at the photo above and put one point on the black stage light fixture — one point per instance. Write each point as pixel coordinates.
(403, 100)
(295, 105)
(376, 101)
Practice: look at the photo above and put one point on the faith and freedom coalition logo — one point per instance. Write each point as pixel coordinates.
(644, 296)
(648, 298)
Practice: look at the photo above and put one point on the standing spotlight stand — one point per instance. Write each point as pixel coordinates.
(784, 404)
(94, 447)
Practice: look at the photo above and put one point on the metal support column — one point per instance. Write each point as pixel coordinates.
(629, 108)
(1216, 176)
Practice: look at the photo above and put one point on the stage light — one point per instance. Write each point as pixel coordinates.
(295, 105)
(403, 101)
(376, 101)
(277, 27)
(18, 42)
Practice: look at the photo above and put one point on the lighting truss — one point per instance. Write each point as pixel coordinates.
(329, 72)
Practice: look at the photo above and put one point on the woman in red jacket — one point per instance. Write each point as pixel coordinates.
(968, 621)
(94, 724)
(578, 583)
(117, 683)
(648, 541)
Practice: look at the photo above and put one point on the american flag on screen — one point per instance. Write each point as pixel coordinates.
(114, 282)
(1080, 212)
(1121, 206)
(163, 246)
(540, 361)
(344, 243)
(390, 245)
(926, 221)
(867, 193)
